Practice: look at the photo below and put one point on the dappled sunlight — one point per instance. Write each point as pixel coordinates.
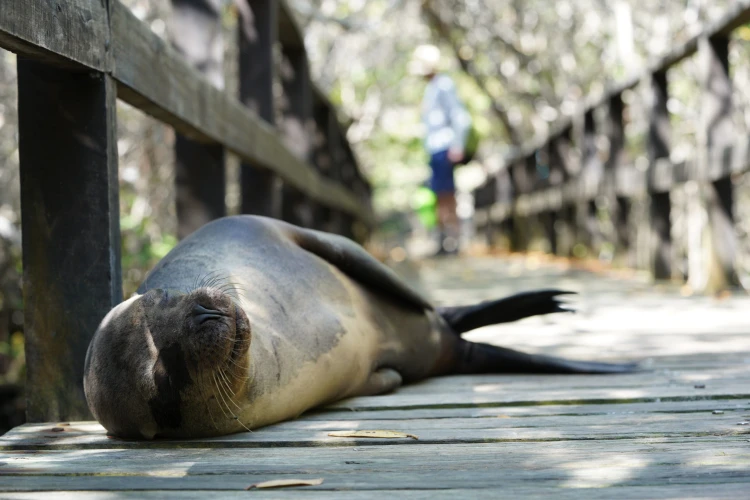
(600, 474)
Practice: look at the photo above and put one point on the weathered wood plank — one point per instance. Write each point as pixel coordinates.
(512, 397)
(193, 468)
(500, 467)
(496, 428)
(71, 228)
(154, 79)
(200, 178)
(508, 490)
(736, 406)
(42, 30)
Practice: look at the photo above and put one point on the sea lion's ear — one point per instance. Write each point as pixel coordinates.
(354, 261)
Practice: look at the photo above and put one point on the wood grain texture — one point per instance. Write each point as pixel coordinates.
(42, 30)
(71, 220)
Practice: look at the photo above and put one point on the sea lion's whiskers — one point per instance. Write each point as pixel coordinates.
(239, 367)
(225, 380)
(205, 399)
(207, 279)
(216, 385)
(234, 417)
(224, 392)
(228, 389)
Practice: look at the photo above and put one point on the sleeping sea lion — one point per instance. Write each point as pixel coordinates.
(251, 321)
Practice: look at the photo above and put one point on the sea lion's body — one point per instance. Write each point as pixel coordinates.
(312, 319)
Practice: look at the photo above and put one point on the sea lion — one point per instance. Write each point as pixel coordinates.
(250, 321)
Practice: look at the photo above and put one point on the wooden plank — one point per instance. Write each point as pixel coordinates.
(91, 435)
(392, 481)
(154, 79)
(622, 491)
(571, 464)
(737, 407)
(179, 463)
(200, 179)
(511, 397)
(39, 30)
(499, 428)
(71, 228)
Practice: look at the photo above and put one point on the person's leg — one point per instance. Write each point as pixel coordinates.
(447, 213)
(444, 187)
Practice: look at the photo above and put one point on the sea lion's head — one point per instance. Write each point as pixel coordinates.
(169, 364)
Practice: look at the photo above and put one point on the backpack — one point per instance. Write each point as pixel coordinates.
(471, 145)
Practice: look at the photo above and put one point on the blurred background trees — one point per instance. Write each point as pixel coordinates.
(519, 65)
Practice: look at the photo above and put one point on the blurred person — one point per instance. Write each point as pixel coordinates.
(447, 125)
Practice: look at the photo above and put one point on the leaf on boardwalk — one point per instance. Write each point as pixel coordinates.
(372, 434)
(285, 483)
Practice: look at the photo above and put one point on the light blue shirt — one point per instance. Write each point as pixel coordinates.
(445, 118)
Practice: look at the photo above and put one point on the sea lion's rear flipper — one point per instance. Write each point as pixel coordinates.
(485, 358)
(354, 261)
(464, 318)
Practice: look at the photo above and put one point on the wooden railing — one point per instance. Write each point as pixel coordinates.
(75, 58)
(561, 207)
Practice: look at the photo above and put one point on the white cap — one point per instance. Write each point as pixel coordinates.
(425, 60)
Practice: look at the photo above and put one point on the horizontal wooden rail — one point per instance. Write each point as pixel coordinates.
(737, 15)
(151, 76)
(663, 176)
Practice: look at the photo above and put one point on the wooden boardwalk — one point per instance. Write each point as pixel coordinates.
(678, 430)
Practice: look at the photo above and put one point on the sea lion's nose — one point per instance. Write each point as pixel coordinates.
(203, 314)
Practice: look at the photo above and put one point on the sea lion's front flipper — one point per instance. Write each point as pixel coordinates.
(354, 260)
(381, 381)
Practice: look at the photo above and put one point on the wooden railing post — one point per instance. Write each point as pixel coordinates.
(200, 174)
(659, 131)
(260, 189)
(619, 206)
(295, 127)
(523, 182)
(560, 161)
(321, 158)
(335, 172)
(590, 175)
(719, 134)
(71, 228)
(554, 176)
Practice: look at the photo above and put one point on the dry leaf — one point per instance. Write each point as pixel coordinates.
(371, 434)
(284, 483)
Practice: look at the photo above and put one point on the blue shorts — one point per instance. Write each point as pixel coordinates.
(442, 173)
